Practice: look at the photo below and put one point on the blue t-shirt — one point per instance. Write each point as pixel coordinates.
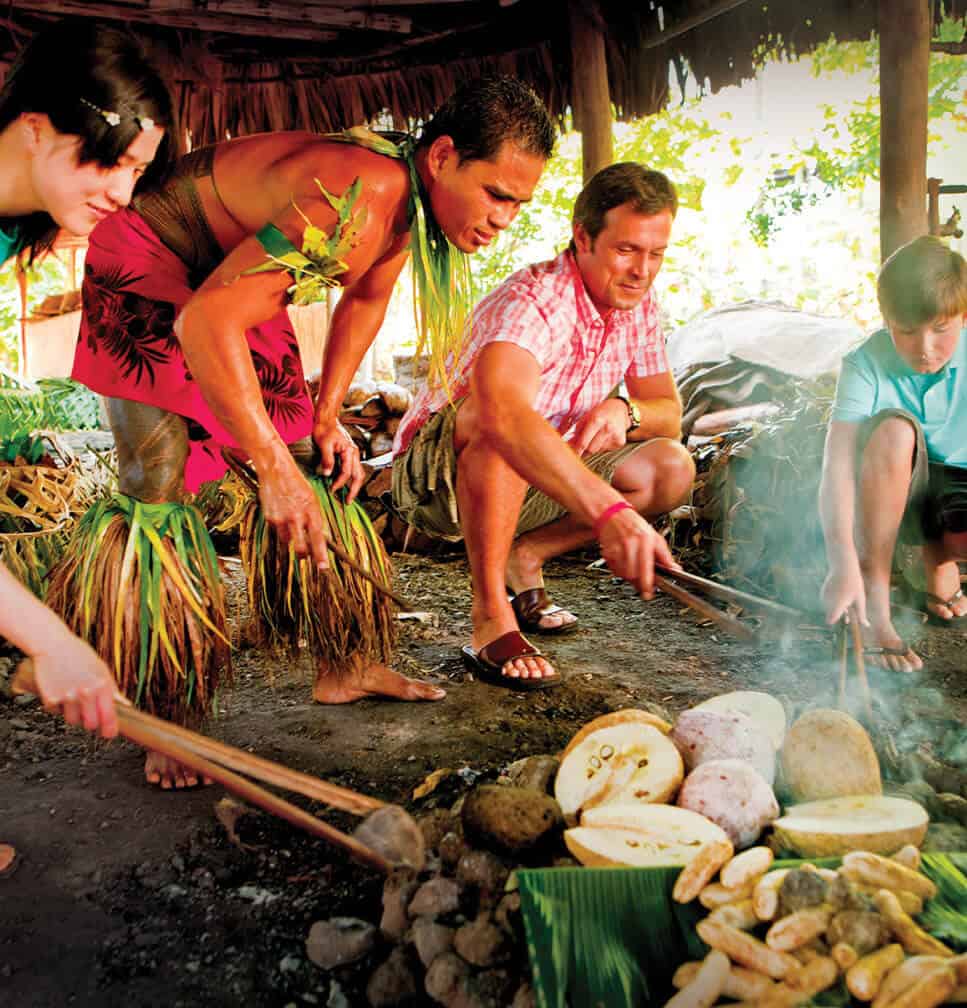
(875, 377)
(11, 242)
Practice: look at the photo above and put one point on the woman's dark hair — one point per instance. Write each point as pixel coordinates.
(481, 114)
(74, 73)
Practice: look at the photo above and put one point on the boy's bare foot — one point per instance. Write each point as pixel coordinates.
(371, 680)
(169, 774)
(884, 647)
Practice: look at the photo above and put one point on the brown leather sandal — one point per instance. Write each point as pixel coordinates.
(531, 606)
(929, 599)
(488, 663)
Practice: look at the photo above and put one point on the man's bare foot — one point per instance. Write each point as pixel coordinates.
(371, 680)
(164, 771)
(525, 572)
(944, 600)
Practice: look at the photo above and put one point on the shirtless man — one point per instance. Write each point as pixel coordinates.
(189, 340)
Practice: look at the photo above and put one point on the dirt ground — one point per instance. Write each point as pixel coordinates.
(126, 895)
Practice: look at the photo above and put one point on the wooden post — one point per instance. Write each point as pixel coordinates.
(905, 27)
(590, 95)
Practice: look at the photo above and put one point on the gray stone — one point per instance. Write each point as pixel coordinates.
(436, 897)
(954, 807)
(392, 983)
(339, 941)
(510, 819)
(524, 998)
(482, 943)
(444, 977)
(485, 871)
(451, 849)
(397, 892)
(431, 939)
(533, 773)
(507, 912)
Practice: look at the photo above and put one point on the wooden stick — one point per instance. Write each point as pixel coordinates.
(840, 644)
(860, 664)
(248, 476)
(254, 766)
(728, 594)
(150, 738)
(705, 609)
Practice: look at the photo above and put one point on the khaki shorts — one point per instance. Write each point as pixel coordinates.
(937, 498)
(425, 481)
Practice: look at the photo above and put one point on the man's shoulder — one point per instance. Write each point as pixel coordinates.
(875, 353)
(543, 284)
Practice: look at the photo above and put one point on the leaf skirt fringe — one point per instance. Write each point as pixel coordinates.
(336, 614)
(140, 583)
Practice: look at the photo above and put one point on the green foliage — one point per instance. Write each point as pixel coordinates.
(25, 447)
(48, 276)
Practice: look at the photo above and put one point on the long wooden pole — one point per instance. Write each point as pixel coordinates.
(590, 94)
(904, 65)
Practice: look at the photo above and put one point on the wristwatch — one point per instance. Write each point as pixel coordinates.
(634, 414)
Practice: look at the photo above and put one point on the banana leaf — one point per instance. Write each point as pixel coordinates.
(613, 937)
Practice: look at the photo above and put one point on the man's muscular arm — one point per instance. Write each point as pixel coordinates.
(660, 406)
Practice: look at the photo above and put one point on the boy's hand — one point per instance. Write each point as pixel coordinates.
(843, 590)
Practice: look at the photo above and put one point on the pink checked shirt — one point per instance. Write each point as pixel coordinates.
(546, 310)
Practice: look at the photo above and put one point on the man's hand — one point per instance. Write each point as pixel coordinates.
(843, 590)
(71, 679)
(335, 444)
(631, 548)
(603, 428)
(290, 506)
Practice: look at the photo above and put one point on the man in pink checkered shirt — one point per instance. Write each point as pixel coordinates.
(529, 441)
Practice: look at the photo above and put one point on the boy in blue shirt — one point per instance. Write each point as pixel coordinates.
(895, 462)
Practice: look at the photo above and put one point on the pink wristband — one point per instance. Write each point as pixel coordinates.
(607, 515)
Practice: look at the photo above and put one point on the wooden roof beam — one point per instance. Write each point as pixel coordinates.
(260, 27)
(324, 15)
(687, 24)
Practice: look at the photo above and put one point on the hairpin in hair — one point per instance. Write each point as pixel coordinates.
(113, 118)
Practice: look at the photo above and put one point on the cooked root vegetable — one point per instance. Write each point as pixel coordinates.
(959, 995)
(797, 929)
(903, 977)
(799, 989)
(932, 989)
(871, 869)
(640, 835)
(801, 889)
(732, 793)
(763, 710)
(705, 735)
(765, 896)
(715, 895)
(844, 955)
(839, 825)
(864, 930)
(864, 978)
(625, 762)
(745, 950)
(907, 931)
(706, 986)
(959, 965)
(816, 949)
(742, 983)
(828, 754)
(740, 915)
(745, 868)
(909, 856)
(701, 869)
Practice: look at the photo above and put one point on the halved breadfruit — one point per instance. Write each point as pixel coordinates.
(828, 754)
(638, 835)
(836, 826)
(628, 715)
(629, 761)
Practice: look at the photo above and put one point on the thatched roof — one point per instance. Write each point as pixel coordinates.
(240, 66)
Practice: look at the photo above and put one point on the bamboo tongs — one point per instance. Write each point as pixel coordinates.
(390, 828)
